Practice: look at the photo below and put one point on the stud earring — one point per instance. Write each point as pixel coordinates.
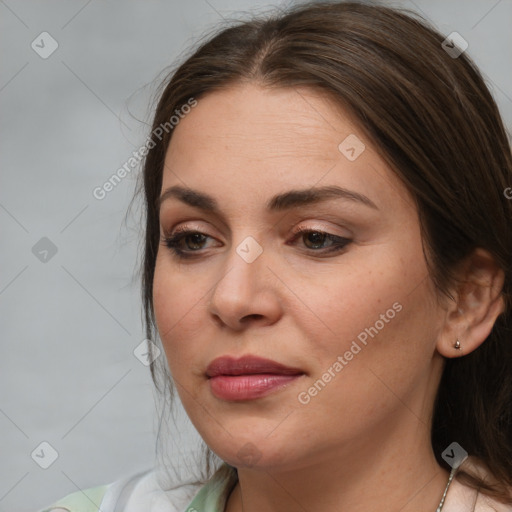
(457, 345)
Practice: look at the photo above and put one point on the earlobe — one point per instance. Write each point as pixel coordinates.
(478, 303)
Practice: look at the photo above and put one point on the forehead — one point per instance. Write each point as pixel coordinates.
(255, 141)
(287, 121)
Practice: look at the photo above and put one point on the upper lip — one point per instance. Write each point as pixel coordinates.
(246, 365)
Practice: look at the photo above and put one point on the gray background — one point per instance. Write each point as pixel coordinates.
(68, 375)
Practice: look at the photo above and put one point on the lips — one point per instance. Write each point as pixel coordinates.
(249, 377)
(248, 365)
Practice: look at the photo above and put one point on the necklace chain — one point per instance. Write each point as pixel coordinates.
(452, 474)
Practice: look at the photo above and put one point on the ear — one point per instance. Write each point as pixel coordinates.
(477, 303)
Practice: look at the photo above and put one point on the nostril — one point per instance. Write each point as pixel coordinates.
(249, 317)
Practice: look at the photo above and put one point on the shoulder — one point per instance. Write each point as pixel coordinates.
(150, 490)
(156, 492)
(88, 500)
(461, 498)
(101, 498)
(134, 493)
(487, 504)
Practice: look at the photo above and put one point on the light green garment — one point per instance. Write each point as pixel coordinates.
(88, 500)
(212, 497)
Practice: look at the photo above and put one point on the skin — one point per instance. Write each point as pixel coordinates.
(363, 442)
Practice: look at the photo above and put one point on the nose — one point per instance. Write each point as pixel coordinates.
(247, 293)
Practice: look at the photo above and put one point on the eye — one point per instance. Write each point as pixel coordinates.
(313, 239)
(174, 241)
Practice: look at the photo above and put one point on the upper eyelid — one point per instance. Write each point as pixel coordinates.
(186, 229)
(323, 208)
(322, 216)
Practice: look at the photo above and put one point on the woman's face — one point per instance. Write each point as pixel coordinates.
(354, 313)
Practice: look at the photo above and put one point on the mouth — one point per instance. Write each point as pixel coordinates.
(248, 377)
(248, 365)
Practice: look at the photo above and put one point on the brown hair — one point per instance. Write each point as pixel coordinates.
(431, 118)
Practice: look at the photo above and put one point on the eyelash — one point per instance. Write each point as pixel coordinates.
(172, 241)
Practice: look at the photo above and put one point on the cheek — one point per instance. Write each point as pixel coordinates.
(384, 364)
(359, 295)
(378, 316)
(177, 303)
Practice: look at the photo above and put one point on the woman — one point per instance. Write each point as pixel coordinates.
(327, 264)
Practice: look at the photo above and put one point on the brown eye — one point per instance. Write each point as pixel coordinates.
(313, 239)
(196, 238)
(185, 242)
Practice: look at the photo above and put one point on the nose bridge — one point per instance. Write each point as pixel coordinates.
(247, 234)
(243, 266)
(239, 291)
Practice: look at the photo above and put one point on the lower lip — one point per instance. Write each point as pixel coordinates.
(248, 387)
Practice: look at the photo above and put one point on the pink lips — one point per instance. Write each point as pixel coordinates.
(248, 377)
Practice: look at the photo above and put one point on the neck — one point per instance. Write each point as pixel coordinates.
(390, 473)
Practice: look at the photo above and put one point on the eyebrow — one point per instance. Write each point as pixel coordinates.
(279, 202)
